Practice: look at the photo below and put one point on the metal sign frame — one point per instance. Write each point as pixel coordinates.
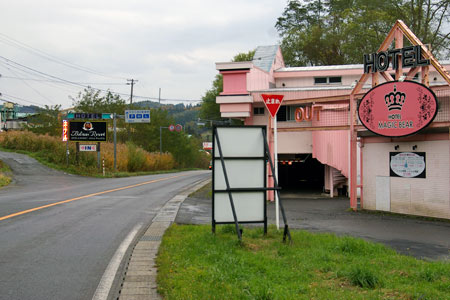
(221, 160)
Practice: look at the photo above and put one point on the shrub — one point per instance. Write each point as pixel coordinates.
(130, 158)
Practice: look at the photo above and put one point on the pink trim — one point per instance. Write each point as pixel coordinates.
(244, 107)
(234, 72)
(415, 138)
(318, 73)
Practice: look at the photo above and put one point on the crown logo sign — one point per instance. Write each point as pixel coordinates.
(395, 100)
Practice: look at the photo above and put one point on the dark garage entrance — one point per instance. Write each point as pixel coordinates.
(300, 172)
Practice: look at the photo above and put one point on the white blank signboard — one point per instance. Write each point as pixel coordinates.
(240, 142)
(244, 158)
(245, 174)
(249, 207)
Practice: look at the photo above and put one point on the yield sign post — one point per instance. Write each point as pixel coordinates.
(273, 103)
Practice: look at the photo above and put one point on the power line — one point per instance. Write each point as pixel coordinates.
(64, 81)
(15, 43)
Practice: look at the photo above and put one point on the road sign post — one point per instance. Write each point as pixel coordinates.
(273, 103)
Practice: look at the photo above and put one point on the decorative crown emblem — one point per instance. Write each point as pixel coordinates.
(395, 100)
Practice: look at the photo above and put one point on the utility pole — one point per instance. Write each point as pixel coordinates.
(131, 82)
(159, 97)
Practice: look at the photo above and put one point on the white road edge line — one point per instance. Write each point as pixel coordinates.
(103, 288)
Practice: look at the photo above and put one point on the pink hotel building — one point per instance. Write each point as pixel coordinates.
(314, 132)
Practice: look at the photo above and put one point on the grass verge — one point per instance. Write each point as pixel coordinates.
(193, 263)
(5, 179)
(82, 171)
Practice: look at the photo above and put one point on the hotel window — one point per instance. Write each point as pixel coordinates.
(328, 80)
(286, 113)
(258, 111)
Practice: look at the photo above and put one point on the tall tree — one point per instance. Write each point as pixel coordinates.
(329, 32)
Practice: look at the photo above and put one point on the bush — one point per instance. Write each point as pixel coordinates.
(130, 158)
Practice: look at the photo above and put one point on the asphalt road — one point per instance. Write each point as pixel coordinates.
(62, 251)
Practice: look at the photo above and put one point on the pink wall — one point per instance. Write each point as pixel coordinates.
(234, 82)
(258, 80)
(331, 148)
(238, 107)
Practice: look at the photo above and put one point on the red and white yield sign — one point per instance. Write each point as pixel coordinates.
(273, 103)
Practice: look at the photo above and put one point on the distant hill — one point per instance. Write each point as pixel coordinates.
(183, 114)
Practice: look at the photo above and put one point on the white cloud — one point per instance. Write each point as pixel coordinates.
(171, 45)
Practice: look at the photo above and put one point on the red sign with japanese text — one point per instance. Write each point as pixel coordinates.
(273, 103)
(397, 108)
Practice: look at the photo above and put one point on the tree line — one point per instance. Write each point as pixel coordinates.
(184, 146)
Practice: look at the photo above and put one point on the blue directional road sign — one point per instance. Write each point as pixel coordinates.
(137, 116)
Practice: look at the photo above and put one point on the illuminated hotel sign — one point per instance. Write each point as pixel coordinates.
(411, 57)
(396, 109)
(65, 130)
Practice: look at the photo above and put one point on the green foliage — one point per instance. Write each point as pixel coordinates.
(318, 32)
(4, 178)
(52, 151)
(46, 121)
(148, 136)
(193, 263)
(91, 101)
(363, 276)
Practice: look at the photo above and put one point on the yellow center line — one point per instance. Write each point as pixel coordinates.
(85, 196)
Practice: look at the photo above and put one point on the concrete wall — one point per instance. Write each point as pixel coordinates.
(416, 196)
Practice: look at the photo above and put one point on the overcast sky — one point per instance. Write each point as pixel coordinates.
(172, 45)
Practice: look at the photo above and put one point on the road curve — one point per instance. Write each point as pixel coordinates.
(61, 250)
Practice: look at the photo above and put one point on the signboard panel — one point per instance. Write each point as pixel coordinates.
(207, 145)
(137, 116)
(245, 171)
(396, 109)
(88, 147)
(249, 207)
(87, 131)
(65, 130)
(407, 164)
(240, 143)
(243, 153)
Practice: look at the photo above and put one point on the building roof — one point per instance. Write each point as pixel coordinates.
(335, 67)
(264, 57)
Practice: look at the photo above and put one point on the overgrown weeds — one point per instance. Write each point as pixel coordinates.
(52, 150)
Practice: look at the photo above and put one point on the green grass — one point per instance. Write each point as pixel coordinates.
(193, 263)
(5, 179)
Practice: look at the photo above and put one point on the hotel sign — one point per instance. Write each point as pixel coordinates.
(411, 57)
(397, 109)
(87, 131)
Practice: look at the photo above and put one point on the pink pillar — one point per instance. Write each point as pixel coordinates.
(353, 161)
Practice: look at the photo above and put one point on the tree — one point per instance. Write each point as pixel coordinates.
(91, 101)
(329, 32)
(210, 110)
(46, 121)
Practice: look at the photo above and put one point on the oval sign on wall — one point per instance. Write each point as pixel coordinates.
(396, 109)
(407, 164)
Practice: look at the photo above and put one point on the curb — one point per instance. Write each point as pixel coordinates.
(139, 281)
